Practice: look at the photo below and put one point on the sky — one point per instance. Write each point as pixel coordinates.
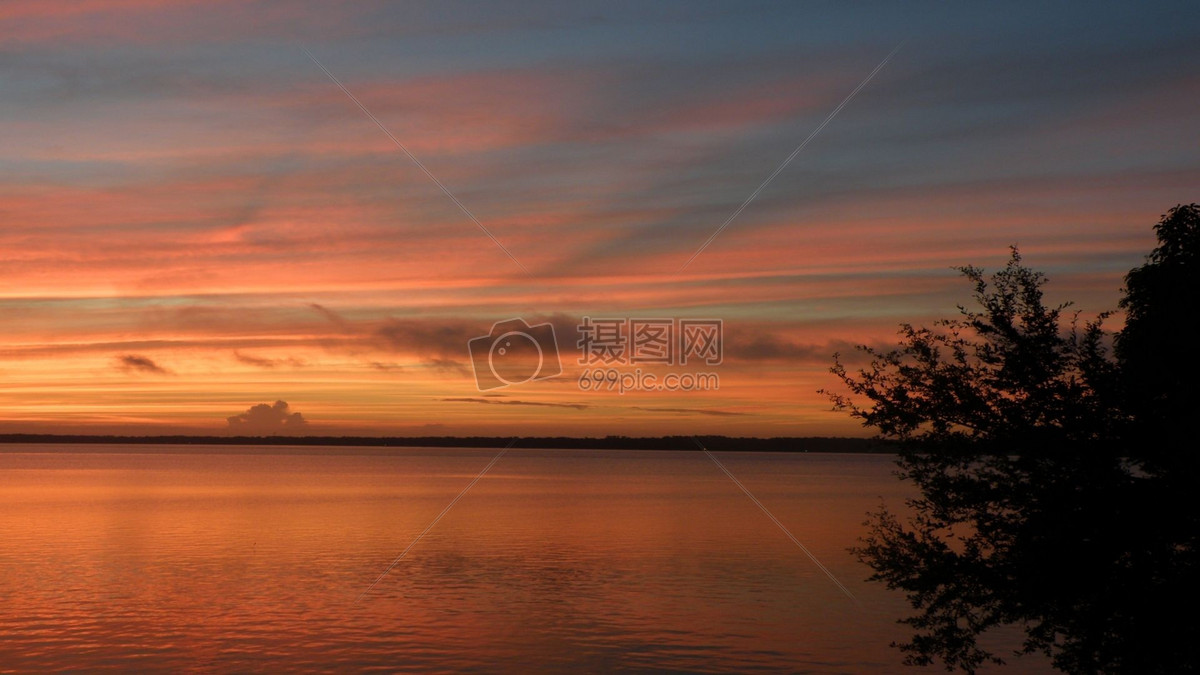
(201, 232)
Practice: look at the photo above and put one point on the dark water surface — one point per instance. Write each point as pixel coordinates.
(563, 561)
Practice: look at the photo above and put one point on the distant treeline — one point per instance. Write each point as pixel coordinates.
(716, 443)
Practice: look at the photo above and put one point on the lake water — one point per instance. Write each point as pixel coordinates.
(561, 561)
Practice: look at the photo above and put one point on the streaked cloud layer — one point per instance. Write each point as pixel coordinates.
(195, 220)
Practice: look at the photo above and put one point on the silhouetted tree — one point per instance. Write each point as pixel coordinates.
(1157, 348)
(1039, 505)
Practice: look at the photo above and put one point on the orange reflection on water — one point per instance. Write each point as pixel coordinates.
(565, 561)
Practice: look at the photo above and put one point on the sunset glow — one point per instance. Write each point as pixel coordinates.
(195, 220)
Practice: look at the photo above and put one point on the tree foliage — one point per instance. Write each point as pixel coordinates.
(1042, 503)
(1157, 347)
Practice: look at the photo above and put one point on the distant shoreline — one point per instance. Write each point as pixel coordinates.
(306, 444)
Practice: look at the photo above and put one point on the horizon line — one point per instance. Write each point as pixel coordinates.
(610, 442)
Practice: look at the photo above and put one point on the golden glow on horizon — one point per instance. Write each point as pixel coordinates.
(193, 220)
